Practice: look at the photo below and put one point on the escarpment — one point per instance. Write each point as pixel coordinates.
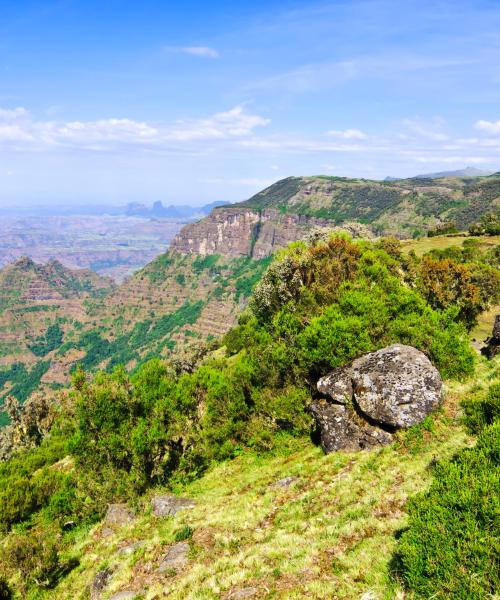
(287, 210)
(244, 232)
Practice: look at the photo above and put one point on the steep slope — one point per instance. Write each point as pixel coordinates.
(40, 305)
(54, 318)
(197, 289)
(266, 514)
(288, 209)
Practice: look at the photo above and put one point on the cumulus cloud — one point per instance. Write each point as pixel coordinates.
(347, 134)
(19, 129)
(489, 127)
(200, 51)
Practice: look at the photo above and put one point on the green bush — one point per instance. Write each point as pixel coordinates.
(5, 590)
(479, 412)
(32, 559)
(450, 549)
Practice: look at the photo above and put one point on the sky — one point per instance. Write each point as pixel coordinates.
(121, 101)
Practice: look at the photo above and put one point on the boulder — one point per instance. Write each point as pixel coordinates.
(118, 515)
(168, 505)
(343, 429)
(369, 398)
(176, 558)
(492, 347)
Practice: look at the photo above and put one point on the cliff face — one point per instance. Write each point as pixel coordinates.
(237, 232)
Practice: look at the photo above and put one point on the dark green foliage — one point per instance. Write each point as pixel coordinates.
(277, 193)
(125, 348)
(34, 558)
(444, 229)
(5, 590)
(201, 263)
(482, 410)
(23, 382)
(26, 484)
(156, 270)
(48, 342)
(186, 533)
(488, 225)
(450, 549)
(322, 306)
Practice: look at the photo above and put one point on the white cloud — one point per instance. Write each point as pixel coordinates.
(347, 134)
(19, 130)
(200, 51)
(233, 123)
(489, 127)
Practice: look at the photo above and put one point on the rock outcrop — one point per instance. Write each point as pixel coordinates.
(378, 393)
(176, 558)
(238, 232)
(168, 505)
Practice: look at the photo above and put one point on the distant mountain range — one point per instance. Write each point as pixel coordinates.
(135, 209)
(467, 172)
(173, 211)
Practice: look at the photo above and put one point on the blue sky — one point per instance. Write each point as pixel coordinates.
(117, 101)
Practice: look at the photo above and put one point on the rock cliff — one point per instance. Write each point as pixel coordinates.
(285, 211)
(243, 232)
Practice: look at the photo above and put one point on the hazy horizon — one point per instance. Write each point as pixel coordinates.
(115, 103)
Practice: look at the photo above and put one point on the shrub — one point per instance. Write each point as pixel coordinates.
(450, 549)
(482, 411)
(5, 590)
(32, 559)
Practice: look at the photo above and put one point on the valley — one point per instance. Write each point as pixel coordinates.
(111, 245)
(196, 290)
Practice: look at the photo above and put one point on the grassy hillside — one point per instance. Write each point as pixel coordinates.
(405, 208)
(330, 534)
(226, 429)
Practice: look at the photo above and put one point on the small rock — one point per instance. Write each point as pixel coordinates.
(128, 550)
(168, 505)
(99, 583)
(125, 595)
(176, 557)
(106, 532)
(118, 515)
(286, 482)
(248, 592)
(342, 428)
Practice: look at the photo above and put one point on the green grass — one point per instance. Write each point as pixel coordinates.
(423, 245)
(332, 534)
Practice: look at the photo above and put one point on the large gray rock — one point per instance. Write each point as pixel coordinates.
(377, 393)
(343, 429)
(168, 505)
(118, 514)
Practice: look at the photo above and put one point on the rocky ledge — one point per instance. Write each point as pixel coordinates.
(366, 401)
